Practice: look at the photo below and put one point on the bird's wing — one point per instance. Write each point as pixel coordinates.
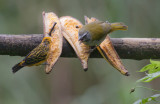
(37, 55)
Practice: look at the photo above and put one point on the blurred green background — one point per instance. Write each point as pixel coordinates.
(68, 83)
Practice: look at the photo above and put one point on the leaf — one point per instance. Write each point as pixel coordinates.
(149, 77)
(151, 68)
(147, 67)
(155, 62)
(146, 100)
(155, 68)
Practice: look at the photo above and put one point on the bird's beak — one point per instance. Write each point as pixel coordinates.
(80, 38)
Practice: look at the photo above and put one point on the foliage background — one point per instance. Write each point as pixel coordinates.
(68, 83)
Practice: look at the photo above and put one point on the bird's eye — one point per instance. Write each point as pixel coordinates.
(77, 26)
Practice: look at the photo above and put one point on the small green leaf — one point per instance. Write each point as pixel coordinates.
(146, 100)
(147, 67)
(149, 77)
(155, 68)
(155, 62)
(142, 79)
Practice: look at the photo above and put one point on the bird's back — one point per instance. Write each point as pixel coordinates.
(37, 55)
(98, 30)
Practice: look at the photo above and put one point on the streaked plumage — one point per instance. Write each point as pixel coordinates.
(37, 56)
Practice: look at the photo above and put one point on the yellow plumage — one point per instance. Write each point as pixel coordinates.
(37, 56)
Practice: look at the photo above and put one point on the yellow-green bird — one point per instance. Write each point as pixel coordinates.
(38, 55)
(94, 33)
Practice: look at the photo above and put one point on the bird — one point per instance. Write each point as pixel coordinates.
(94, 33)
(38, 55)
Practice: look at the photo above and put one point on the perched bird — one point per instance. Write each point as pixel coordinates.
(94, 33)
(38, 55)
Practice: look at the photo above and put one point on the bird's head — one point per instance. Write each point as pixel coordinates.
(84, 36)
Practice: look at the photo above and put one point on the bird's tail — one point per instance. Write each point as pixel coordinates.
(118, 26)
(17, 67)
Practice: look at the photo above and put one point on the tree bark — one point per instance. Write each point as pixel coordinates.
(127, 48)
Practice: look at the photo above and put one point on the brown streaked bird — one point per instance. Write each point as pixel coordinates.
(38, 55)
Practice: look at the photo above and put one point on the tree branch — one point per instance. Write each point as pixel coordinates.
(127, 48)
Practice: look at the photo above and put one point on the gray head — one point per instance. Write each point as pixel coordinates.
(84, 36)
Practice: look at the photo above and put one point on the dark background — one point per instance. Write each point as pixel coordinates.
(68, 83)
